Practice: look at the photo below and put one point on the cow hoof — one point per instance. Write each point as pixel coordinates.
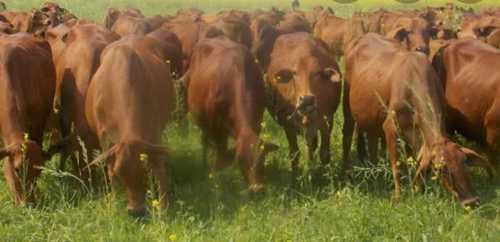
(137, 213)
(473, 202)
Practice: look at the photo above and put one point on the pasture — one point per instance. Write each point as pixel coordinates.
(215, 206)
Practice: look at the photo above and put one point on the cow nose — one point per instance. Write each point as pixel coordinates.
(473, 202)
(306, 100)
(424, 50)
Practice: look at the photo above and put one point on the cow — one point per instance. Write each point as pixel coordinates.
(402, 99)
(464, 65)
(127, 22)
(74, 70)
(304, 85)
(27, 89)
(235, 25)
(174, 48)
(331, 29)
(226, 97)
(189, 33)
(6, 28)
(129, 101)
(35, 22)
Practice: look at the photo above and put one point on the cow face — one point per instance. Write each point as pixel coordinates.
(305, 88)
(414, 33)
(449, 164)
(22, 168)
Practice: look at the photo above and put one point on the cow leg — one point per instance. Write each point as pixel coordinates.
(312, 142)
(160, 173)
(13, 181)
(325, 132)
(361, 145)
(294, 154)
(492, 124)
(373, 147)
(347, 131)
(390, 132)
(223, 157)
(204, 150)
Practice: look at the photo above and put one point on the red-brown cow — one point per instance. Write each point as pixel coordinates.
(129, 101)
(226, 96)
(75, 68)
(27, 86)
(391, 92)
(305, 85)
(467, 68)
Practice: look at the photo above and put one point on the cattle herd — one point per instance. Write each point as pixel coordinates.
(416, 75)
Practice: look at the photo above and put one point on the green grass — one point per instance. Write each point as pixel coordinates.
(217, 207)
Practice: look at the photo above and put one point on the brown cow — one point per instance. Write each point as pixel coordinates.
(75, 68)
(127, 22)
(226, 96)
(35, 22)
(26, 93)
(235, 25)
(305, 85)
(413, 32)
(391, 92)
(466, 65)
(129, 101)
(174, 47)
(331, 30)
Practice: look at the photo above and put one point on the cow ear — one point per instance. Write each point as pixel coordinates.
(284, 76)
(331, 74)
(476, 160)
(111, 17)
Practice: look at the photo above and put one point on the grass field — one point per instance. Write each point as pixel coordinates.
(208, 206)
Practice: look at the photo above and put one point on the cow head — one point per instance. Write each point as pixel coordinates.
(414, 33)
(22, 168)
(303, 88)
(127, 163)
(449, 162)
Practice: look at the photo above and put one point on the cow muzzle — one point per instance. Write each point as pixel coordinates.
(306, 104)
(424, 50)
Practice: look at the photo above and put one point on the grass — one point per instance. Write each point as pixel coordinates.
(216, 207)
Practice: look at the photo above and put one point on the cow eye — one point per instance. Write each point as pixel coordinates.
(284, 76)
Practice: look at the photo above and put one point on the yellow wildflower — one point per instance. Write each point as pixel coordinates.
(172, 237)
(143, 157)
(155, 203)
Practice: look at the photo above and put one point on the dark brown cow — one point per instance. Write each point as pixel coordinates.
(174, 47)
(26, 93)
(391, 92)
(472, 89)
(129, 101)
(226, 96)
(75, 68)
(305, 86)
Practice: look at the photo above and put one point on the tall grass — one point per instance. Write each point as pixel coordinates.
(214, 206)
